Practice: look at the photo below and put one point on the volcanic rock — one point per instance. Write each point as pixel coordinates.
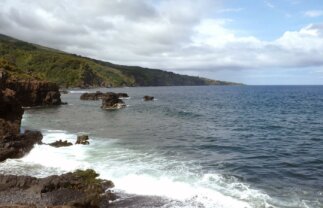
(16, 146)
(100, 95)
(92, 96)
(148, 98)
(10, 113)
(83, 139)
(60, 143)
(112, 102)
(35, 93)
(12, 143)
(78, 189)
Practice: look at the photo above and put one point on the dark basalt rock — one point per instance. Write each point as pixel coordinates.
(112, 102)
(12, 143)
(92, 96)
(35, 93)
(16, 146)
(83, 139)
(78, 189)
(148, 98)
(10, 113)
(100, 95)
(61, 143)
(31, 92)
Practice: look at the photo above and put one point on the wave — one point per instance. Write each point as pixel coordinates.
(78, 91)
(138, 173)
(133, 174)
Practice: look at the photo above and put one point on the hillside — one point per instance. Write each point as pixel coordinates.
(25, 60)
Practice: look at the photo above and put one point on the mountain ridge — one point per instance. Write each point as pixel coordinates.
(29, 60)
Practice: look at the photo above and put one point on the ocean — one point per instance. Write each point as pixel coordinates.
(208, 146)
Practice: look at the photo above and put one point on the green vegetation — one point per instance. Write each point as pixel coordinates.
(26, 60)
(88, 176)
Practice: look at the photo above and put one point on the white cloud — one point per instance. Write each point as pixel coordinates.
(313, 13)
(175, 35)
(269, 4)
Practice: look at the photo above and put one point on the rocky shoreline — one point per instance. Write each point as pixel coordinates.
(81, 189)
(77, 189)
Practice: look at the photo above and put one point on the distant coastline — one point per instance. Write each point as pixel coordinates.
(30, 61)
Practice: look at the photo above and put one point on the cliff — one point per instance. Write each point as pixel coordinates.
(12, 143)
(14, 94)
(30, 92)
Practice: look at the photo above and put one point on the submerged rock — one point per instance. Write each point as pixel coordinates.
(112, 102)
(148, 98)
(83, 139)
(61, 143)
(77, 189)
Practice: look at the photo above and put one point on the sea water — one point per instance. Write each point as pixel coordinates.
(230, 147)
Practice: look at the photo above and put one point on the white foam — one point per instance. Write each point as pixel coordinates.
(64, 158)
(177, 190)
(78, 91)
(139, 173)
(125, 98)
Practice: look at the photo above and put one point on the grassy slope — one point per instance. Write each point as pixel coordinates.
(29, 60)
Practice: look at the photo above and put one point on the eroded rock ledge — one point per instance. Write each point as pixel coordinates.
(30, 92)
(81, 189)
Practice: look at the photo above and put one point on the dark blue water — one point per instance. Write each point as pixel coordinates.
(240, 146)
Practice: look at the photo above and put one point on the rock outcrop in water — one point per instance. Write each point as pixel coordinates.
(83, 139)
(112, 102)
(60, 143)
(81, 189)
(148, 98)
(100, 95)
(92, 96)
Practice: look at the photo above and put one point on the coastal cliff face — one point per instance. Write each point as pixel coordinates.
(35, 93)
(31, 92)
(10, 113)
(12, 143)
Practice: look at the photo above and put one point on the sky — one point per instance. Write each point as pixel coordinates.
(260, 42)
